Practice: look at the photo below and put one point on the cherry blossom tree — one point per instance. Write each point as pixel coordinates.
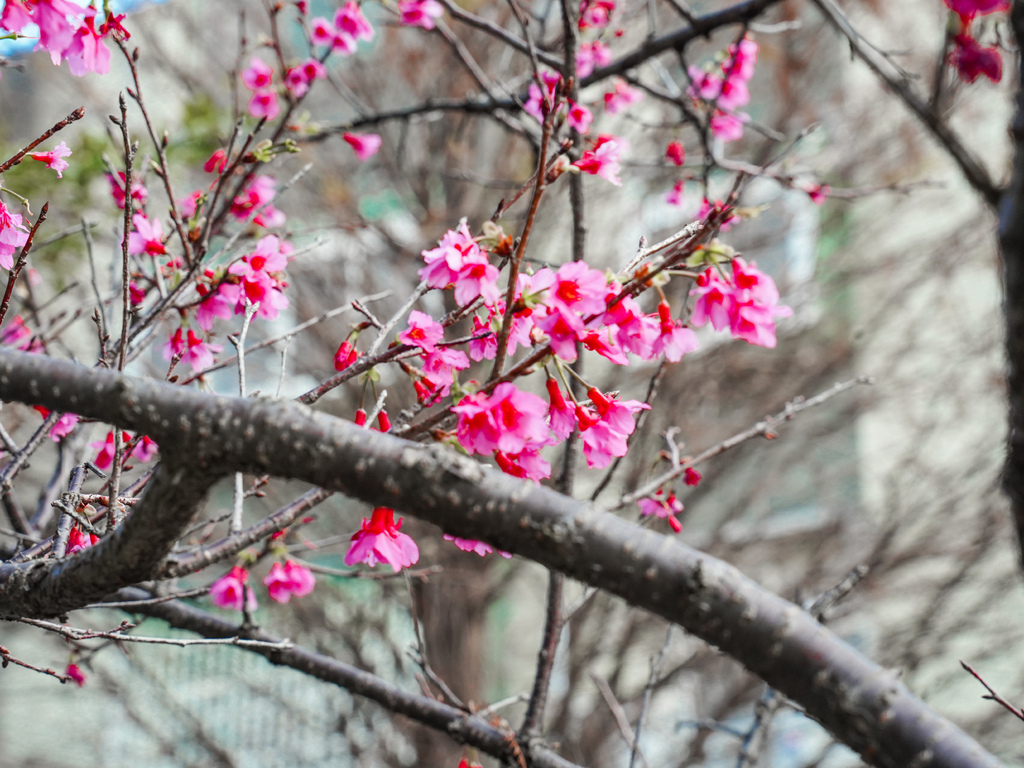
(479, 413)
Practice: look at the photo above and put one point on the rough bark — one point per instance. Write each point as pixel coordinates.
(861, 703)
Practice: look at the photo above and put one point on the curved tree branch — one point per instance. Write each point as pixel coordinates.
(862, 704)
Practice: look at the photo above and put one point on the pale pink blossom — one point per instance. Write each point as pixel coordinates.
(444, 262)
(365, 145)
(380, 540)
(258, 75)
(16, 16)
(622, 97)
(350, 21)
(727, 126)
(13, 235)
(472, 545)
(675, 339)
(264, 104)
(54, 159)
(675, 195)
(591, 56)
(147, 237)
(439, 368)
(145, 449)
(419, 13)
(539, 101)
(602, 159)
(322, 32)
(289, 580)
(87, 53)
(139, 191)
(579, 117)
(55, 31)
(191, 349)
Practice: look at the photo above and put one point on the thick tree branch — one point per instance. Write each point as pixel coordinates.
(1011, 243)
(464, 728)
(862, 704)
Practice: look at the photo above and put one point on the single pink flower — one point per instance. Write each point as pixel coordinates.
(595, 13)
(477, 278)
(472, 545)
(675, 339)
(258, 75)
(145, 450)
(264, 103)
(563, 328)
(256, 198)
(439, 368)
(603, 158)
(381, 540)
(579, 117)
(365, 145)
(622, 97)
(350, 21)
(16, 16)
(139, 191)
(444, 262)
(76, 674)
(675, 195)
(229, 591)
(216, 304)
(55, 31)
(539, 101)
(147, 237)
(561, 415)
(322, 32)
(591, 56)
(87, 53)
(486, 346)
(676, 152)
(691, 476)
(419, 13)
(727, 126)
(54, 159)
(105, 450)
(64, 426)
(423, 331)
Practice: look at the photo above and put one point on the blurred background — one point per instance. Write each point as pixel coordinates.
(896, 277)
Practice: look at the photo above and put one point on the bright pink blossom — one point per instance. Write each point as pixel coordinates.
(365, 145)
(79, 540)
(147, 237)
(561, 415)
(76, 674)
(508, 420)
(258, 75)
(622, 97)
(691, 476)
(54, 159)
(254, 201)
(55, 31)
(17, 334)
(591, 56)
(13, 235)
(297, 79)
(350, 22)
(264, 103)
(727, 126)
(105, 450)
(675, 339)
(968, 9)
(595, 13)
(230, 591)
(423, 331)
(576, 286)
(472, 545)
(87, 53)
(676, 152)
(602, 159)
(322, 32)
(664, 507)
(419, 13)
(191, 349)
(439, 368)
(345, 356)
(477, 278)
(528, 463)
(289, 580)
(139, 191)
(748, 303)
(16, 16)
(381, 540)
(539, 101)
(579, 117)
(64, 426)
(145, 449)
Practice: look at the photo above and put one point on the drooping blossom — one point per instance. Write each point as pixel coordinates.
(528, 463)
(602, 159)
(419, 13)
(191, 349)
(621, 97)
(13, 235)
(561, 416)
(539, 101)
(87, 52)
(64, 425)
(79, 540)
(54, 159)
(604, 433)
(591, 56)
(365, 145)
(725, 89)
(16, 16)
(105, 450)
(595, 13)
(472, 545)
(675, 339)
(691, 476)
(230, 591)
(675, 195)
(139, 191)
(289, 580)
(579, 117)
(147, 237)
(145, 449)
(345, 356)
(76, 674)
(972, 60)
(380, 540)
(747, 303)
(219, 303)
(423, 331)
(55, 31)
(440, 366)
(665, 507)
(508, 420)
(676, 152)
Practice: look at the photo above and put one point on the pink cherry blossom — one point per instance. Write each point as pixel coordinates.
(191, 349)
(675, 195)
(691, 476)
(472, 545)
(345, 356)
(595, 13)
(605, 343)
(258, 75)
(664, 507)
(563, 328)
(322, 31)
(971, 60)
(423, 331)
(64, 425)
(16, 16)
(439, 368)
(55, 31)
(591, 56)
(229, 591)
(419, 13)
(87, 53)
(350, 21)
(968, 9)
(727, 127)
(444, 262)
(528, 463)
(105, 450)
(145, 449)
(365, 145)
(54, 159)
(381, 540)
(539, 101)
(675, 339)
(486, 346)
(477, 278)
(76, 674)
(715, 300)
(561, 416)
(79, 540)
(297, 79)
(508, 420)
(254, 201)
(579, 117)
(139, 191)
(676, 152)
(264, 104)
(17, 334)
(13, 235)
(622, 97)
(147, 237)
(576, 286)
(603, 158)
(289, 580)
(257, 269)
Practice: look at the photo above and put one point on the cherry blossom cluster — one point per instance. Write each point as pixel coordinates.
(284, 582)
(723, 88)
(970, 59)
(67, 31)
